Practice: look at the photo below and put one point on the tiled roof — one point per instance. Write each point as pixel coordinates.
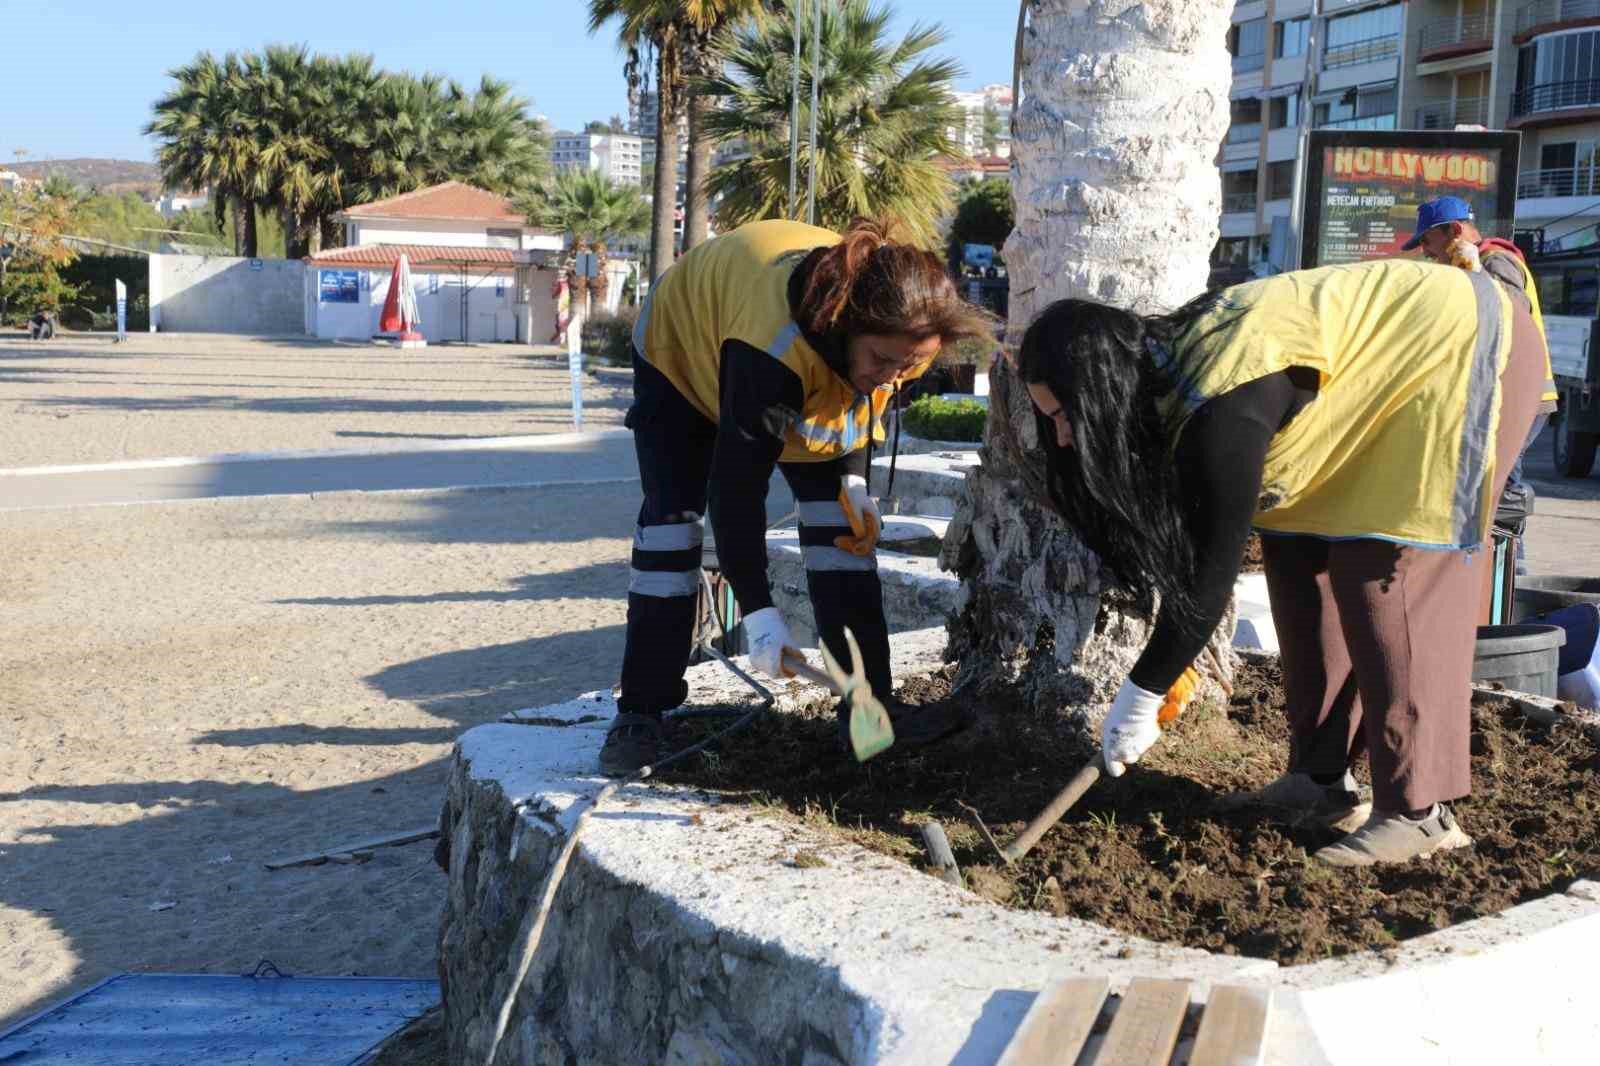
(425, 255)
(454, 200)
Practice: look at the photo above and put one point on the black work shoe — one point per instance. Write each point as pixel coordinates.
(633, 742)
(914, 727)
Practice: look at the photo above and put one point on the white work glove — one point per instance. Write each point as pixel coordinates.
(768, 636)
(861, 511)
(1130, 728)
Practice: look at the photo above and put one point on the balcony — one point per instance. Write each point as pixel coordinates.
(1370, 50)
(1560, 181)
(1448, 114)
(1238, 202)
(1541, 16)
(1460, 36)
(1555, 96)
(1246, 63)
(1244, 133)
(1369, 122)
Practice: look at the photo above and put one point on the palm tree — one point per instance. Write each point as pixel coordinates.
(1117, 199)
(883, 120)
(644, 26)
(680, 33)
(209, 138)
(590, 209)
(491, 141)
(295, 171)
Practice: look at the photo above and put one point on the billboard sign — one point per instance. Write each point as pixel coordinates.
(1362, 188)
(339, 286)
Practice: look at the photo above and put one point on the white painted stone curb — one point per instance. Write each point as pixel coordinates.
(882, 965)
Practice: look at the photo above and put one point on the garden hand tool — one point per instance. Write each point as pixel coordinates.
(871, 732)
(861, 510)
(1171, 706)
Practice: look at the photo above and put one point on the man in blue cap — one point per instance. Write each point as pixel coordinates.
(1447, 233)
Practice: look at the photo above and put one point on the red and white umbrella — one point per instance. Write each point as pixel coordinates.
(400, 307)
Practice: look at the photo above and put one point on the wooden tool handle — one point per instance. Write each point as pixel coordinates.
(1053, 813)
(806, 672)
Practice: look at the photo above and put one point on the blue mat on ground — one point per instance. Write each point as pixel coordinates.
(159, 1019)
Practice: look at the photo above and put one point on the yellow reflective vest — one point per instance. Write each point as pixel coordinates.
(736, 287)
(1531, 288)
(1400, 442)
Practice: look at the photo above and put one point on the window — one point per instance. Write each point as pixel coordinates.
(1362, 37)
(1248, 43)
(1280, 180)
(1231, 251)
(1558, 72)
(1368, 109)
(1245, 120)
(1239, 191)
(1283, 111)
(1290, 37)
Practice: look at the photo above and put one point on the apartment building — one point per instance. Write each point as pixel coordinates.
(1413, 64)
(1532, 67)
(1297, 65)
(989, 106)
(619, 156)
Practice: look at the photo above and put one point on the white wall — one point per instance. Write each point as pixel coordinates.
(493, 315)
(226, 294)
(450, 234)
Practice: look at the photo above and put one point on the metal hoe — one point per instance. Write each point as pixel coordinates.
(871, 732)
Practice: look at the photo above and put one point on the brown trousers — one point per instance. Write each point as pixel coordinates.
(1377, 638)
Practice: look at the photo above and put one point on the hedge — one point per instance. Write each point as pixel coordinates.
(935, 418)
(609, 338)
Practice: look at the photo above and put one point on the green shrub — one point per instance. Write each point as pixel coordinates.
(935, 418)
(609, 338)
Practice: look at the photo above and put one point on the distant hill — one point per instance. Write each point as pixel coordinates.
(107, 175)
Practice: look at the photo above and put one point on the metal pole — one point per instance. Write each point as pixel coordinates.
(816, 77)
(793, 210)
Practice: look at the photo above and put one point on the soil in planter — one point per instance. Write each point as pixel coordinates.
(1148, 854)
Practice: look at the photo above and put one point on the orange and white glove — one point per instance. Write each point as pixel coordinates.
(1178, 696)
(861, 510)
(1464, 254)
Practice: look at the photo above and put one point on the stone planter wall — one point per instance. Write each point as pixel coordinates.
(687, 932)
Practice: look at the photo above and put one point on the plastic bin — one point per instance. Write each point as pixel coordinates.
(1522, 658)
(1549, 592)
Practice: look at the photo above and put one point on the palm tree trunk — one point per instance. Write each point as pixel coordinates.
(332, 233)
(243, 222)
(251, 241)
(665, 192)
(696, 210)
(1117, 199)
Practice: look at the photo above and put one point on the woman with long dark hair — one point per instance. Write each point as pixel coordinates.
(778, 344)
(1363, 418)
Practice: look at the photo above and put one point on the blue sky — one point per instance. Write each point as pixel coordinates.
(78, 76)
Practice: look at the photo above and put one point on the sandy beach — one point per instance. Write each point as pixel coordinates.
(189, 690)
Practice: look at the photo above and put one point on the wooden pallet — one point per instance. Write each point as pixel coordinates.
(1144, 1028)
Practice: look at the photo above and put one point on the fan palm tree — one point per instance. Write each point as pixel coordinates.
(680, 33)
(491, 141)
(295, 170)
(884, 117)
(208, 138)
(590, 209)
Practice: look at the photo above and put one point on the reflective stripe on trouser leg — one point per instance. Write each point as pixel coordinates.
(845, 591)
(663, 599)
(666, 559)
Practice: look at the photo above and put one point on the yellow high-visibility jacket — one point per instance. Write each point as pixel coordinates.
(1400, 442)
(1492, 248)
(735, 287)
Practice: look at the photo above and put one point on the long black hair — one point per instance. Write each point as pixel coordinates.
(1117, 484)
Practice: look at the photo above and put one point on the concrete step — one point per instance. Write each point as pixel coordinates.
(929, 484)
(916, 593)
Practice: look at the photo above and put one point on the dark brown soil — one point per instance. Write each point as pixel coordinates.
(1148, 854)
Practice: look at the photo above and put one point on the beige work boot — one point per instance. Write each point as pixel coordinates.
(1342, 805)
(1396, 838)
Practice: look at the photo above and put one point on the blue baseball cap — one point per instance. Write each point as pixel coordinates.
(1437, 213)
